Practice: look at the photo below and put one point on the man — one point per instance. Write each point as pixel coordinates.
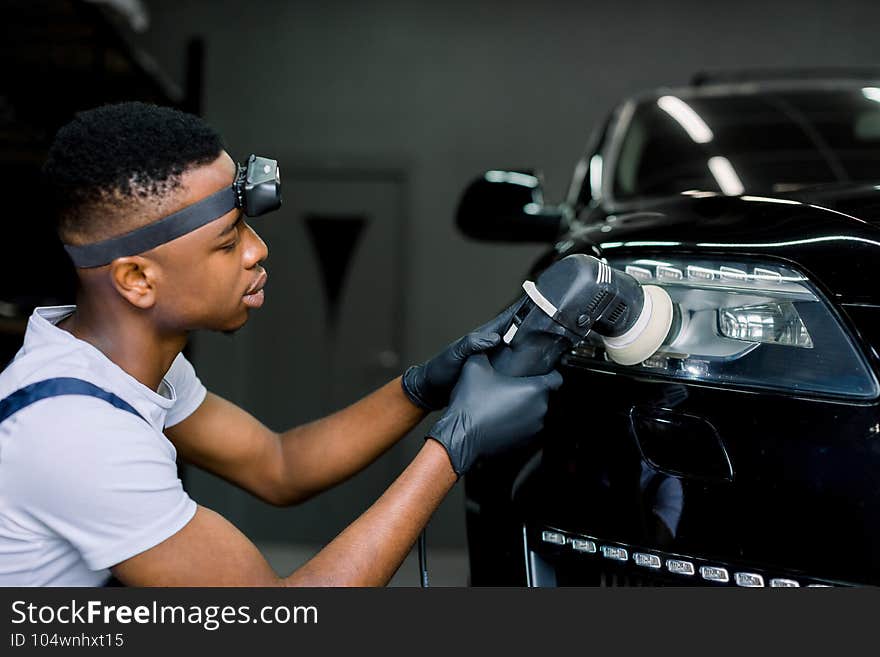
(100, 401)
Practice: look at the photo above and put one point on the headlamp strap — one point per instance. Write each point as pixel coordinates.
(154, 234)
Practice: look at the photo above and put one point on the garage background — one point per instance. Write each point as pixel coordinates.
(380, 113)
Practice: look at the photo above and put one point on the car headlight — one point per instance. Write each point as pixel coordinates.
(745, 325)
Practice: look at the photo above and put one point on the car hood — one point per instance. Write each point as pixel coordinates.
(857, 200)
(838, 250)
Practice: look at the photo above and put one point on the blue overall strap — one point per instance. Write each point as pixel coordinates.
(55, 388)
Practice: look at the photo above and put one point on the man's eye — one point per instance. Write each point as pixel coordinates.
(230, 247)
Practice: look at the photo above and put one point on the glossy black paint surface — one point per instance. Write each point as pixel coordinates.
(802, 494)
(804, 482)
(837, 251)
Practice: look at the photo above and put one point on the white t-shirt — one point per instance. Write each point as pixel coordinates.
(85, 485)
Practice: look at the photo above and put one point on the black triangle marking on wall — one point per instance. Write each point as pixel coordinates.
(335, 239)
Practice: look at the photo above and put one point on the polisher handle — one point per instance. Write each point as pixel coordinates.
(529, 358)
(535, 348)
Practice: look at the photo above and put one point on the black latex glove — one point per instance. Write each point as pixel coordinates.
(429, 385)
(490, 412)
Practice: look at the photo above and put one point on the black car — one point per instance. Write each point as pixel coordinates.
(747, 451)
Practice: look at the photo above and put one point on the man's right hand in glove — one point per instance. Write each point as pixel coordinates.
(490, 412)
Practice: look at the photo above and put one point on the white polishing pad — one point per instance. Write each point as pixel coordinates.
(647, 334)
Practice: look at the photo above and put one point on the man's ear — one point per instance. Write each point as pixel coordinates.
(135, 278)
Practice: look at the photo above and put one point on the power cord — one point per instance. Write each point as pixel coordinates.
(423, 558)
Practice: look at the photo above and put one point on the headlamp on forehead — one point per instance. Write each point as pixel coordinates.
(258, 186)
(256, 190)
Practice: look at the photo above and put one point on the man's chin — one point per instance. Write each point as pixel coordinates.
(233, 326)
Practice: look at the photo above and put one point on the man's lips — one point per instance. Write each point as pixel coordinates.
(258, 284)
(255, 296)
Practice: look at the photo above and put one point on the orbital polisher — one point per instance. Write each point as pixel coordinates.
(578, 295)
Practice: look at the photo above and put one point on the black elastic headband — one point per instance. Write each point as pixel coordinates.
(152, 235)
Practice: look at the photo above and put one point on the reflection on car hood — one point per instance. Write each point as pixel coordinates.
(741, 219)
(858, 200)
(831, 234)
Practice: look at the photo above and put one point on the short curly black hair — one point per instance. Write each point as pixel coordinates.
(110, 162)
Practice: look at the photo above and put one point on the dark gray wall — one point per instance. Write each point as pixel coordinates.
(449, 89)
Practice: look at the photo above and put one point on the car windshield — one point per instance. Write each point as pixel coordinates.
(762, 143)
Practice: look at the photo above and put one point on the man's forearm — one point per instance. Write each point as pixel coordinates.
(210, 551)
(371, 549)
(327, 451)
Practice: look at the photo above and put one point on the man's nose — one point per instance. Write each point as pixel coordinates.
(255, 250)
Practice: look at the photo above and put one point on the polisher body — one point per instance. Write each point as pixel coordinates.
(573, 297)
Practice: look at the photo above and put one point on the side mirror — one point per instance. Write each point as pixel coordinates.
(507, 206)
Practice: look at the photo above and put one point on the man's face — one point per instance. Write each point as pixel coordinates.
(209, 278)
